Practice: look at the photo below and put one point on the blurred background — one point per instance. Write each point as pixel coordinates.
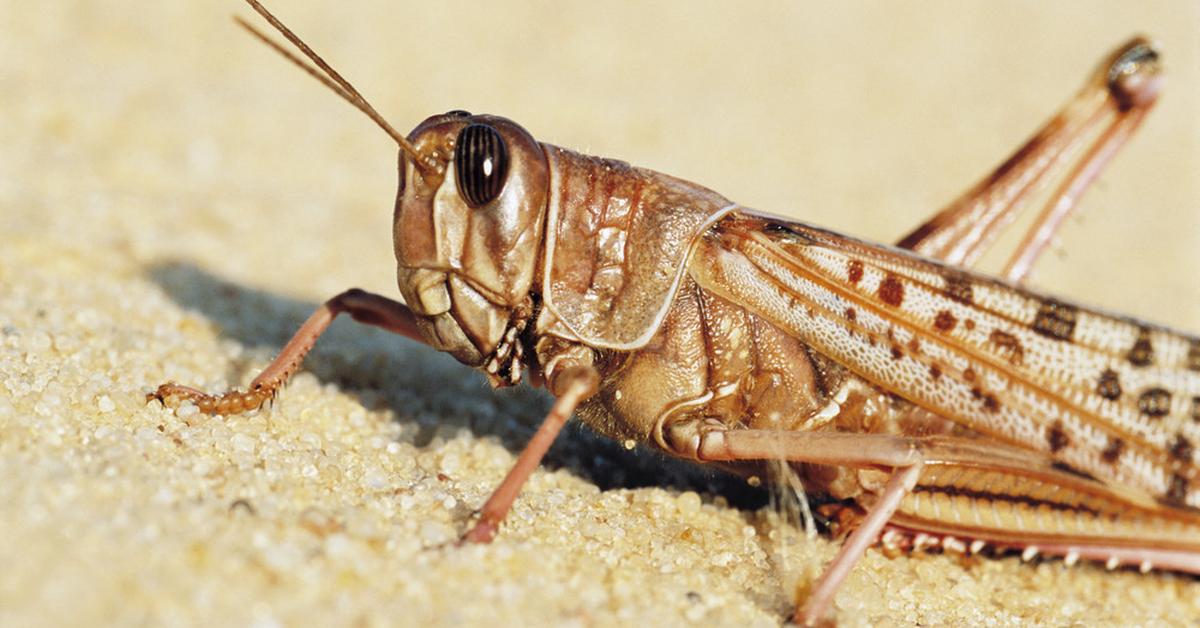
(862, 117)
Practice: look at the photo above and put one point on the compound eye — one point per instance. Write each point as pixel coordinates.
(480, 164)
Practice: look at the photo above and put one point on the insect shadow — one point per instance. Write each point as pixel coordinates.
(428, 391)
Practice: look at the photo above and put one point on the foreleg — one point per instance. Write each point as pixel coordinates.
(362, 306)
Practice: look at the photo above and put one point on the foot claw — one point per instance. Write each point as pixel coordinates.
(482, 532)
(232, 402)
(171, 395)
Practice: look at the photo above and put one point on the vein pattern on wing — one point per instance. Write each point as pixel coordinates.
(1105, 395)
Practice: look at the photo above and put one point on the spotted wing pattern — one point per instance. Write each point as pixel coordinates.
(1108, 396)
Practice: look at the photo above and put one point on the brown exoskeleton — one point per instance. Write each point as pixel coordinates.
(938, 400)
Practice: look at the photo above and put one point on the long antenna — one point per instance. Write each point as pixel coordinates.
(327, 76)
(301, 63)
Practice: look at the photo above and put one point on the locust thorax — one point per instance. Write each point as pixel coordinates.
(468, 235)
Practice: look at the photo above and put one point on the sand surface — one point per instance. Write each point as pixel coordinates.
(174, 201)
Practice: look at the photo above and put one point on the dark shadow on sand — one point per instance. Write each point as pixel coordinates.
(427, 389)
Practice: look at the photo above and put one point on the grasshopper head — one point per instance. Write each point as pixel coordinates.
(468, 230)
(468, 221)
